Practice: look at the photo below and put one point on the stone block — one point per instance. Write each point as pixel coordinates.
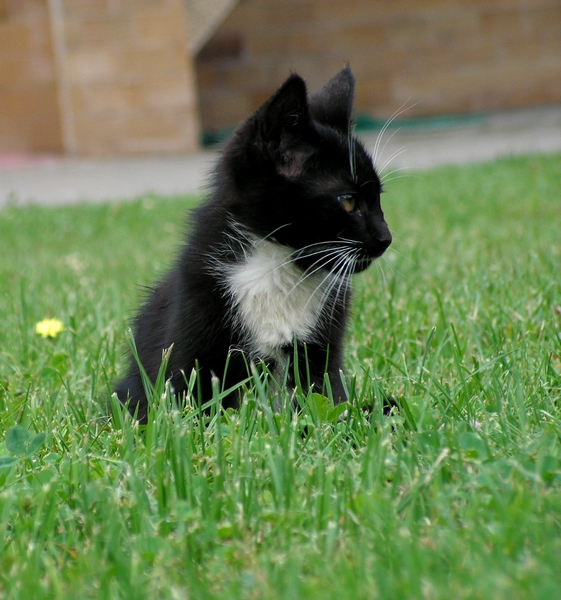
(14, 39)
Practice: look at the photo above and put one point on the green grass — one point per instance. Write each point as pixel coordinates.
(455, 495)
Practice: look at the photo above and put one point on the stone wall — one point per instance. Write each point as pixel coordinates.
(127, 83)
(29, 111)
(96, 77)
(117, 77)
(438, 56)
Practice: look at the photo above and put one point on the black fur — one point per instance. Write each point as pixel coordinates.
(286, 175)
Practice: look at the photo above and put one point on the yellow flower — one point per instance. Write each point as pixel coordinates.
(49, 328)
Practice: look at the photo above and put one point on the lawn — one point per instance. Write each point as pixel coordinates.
(455, 494)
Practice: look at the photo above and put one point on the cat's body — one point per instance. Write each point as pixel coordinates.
(264, 275)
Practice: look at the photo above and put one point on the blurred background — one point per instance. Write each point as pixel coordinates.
(122, 77)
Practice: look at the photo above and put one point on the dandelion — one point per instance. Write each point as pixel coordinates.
(49, 328)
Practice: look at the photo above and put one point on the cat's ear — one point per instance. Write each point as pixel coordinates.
(285, 114)
(333, 104)
(283, 127)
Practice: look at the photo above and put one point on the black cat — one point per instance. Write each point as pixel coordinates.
(264, 274)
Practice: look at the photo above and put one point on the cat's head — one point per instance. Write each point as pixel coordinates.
(295, 173)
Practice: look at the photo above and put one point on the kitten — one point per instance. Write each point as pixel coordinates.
(264, 275)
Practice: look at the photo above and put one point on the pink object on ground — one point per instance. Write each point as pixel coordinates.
(15, 160)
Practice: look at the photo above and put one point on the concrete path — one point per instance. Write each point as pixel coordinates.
(51, 180)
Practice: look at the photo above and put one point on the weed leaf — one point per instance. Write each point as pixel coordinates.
(7, 461)
(17, 438)
(472, 445)
(35, 443)
(20, 442)
(321, 405)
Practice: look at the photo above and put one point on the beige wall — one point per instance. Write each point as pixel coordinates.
(126, 79)
(448, 56)
(96, 77)
(29, 113)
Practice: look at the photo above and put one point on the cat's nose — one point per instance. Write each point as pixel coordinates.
(383, 237)
(385, 241)
(380, 246)
(380, 242)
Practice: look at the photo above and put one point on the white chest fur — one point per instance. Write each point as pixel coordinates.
(274, 300)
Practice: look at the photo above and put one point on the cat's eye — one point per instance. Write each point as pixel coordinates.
(348, 202)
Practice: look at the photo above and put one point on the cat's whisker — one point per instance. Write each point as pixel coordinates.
(392, 175)
(352, 152)
(346, 276)
(401, 110)
(333, 273)
(294, 257)
(348, 241)
(391, 266)
(396, 170)
(243, 238)
(383, 131)
(413, 173)
(390, 263)
(271, 236)
(339, 268)
(324, 299)
(241, 232)
(391, 158)
(326, 244)
(396, 177)
(344, 269)
(325, 252)
(302, 254)
(254, 242)
(239, 236)
(385, 145)
(397, 253)
(332, 280)
(341, 253)
(343, 279)
(382, 273)
(321, 263)
(367, 182)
